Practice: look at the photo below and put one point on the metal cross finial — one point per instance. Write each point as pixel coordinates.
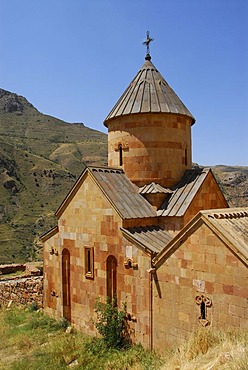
(147, 42)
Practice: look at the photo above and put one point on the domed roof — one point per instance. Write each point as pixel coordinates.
(148, 93)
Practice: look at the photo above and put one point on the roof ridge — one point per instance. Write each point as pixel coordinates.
(226, 213)
(106, 169)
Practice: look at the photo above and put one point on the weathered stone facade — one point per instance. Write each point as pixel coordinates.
(209, 196)
(201, 268)
(115, 238)
(90, 221)
(155, 147)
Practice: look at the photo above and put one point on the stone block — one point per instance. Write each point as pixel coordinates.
(209, 287)
(240, 291)
(228, 289)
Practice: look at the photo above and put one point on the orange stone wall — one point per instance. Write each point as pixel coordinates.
(209, 196)
(202, 265)
(171, 224)
(52, 302)
(90, 221)
(153, 146)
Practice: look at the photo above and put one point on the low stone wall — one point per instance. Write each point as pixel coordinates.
(22, 291)
(10, 269)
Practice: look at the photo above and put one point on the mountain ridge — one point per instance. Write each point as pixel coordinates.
(40, 158)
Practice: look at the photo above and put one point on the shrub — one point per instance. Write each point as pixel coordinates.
(33, 306)
(112, 324)
(62, 323)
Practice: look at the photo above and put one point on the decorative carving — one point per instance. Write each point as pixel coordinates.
(129, 262)
(53, 250)
(130, 317)
(229, 215)
(124, 145)
(203, 302)
(201, 298)
(54, 294)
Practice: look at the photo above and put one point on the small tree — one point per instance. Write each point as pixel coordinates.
(112, 323)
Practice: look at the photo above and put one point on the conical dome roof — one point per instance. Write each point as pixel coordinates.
(148, 93)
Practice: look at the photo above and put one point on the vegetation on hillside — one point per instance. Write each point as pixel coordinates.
(40, 158)
(31, 340)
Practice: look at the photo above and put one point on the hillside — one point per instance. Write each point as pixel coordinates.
(40, 158)
(233, 181)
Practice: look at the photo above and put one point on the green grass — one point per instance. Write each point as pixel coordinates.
(42, 155)
(31, 340)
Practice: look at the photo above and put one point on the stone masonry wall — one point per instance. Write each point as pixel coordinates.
(155, 147)
(22, 291)
(209, 196)
(89, 221)
(201, 269)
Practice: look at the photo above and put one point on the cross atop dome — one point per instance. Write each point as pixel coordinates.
(147, 43)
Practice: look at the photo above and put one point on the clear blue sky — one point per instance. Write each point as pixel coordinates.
(72, 59)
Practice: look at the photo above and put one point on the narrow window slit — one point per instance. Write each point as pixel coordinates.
(203, 310)
(120, 155)
(89, 262)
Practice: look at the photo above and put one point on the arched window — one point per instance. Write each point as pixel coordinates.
(66, 284)
(89, 262)
(111, 277)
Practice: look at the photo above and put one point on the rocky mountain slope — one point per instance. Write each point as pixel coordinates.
(40, 158)
(233, 181)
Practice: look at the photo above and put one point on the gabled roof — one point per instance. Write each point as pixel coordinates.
(154, 188)
(229, 224)
(48, 234)
(122, 193)
(183, 193)
(148, 93)
(232, 224)
(153, 238)
(119, 190)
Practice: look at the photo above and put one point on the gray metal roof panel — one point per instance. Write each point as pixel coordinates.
(122, 193)
(183, 193)
(153, 238)
(148, 92)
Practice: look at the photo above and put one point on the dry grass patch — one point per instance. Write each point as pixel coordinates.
(211, 350)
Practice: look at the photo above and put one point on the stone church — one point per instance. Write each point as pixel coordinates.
(148, 228)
